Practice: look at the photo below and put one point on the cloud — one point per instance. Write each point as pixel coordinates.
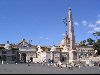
(98, 15)
(84, 23)
(90, 32)
(97, 29)
(63, 34)
(91, 25)
(76, 23)
(98, 22)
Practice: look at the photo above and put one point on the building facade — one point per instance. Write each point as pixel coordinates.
(9, 55)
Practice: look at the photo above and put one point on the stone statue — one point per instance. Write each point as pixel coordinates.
(41, 54)
(52, 53)
(39, 49)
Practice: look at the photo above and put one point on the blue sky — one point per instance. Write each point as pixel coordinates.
(41, 20)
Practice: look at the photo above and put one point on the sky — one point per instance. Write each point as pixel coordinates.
(41, 20)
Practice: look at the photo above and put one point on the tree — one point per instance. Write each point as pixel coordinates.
(90, 41)
(96, 46)
(96, 34)
(98, 41)
(82, 43)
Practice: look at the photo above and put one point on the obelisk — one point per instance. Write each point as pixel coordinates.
(72, 48)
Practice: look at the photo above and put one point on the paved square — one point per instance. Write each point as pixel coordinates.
(44, 69)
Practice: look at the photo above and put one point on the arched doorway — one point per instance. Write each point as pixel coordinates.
(23, 57)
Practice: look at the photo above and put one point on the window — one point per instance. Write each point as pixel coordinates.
(13, 52)
(13, 58)
(3, 52)
(4, 57)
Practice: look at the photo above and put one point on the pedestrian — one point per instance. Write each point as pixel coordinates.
(28, 63)
(42, 63)
(49, 62)
(58, 65)
(61, 66)
(54, 65)
(71, 67)
(79, 66)
(66, 65)
(99, 65)
(2, 61)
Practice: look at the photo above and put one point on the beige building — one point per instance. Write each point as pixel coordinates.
(27, 51)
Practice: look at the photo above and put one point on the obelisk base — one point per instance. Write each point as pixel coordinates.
(72, 56)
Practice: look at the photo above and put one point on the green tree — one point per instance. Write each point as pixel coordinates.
(90, 41)
(96, 46)
(96, 34)
(82, 43)
(98, 41)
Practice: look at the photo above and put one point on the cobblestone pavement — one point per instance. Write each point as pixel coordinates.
(44, 69)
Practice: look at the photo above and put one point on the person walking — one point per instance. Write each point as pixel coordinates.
(99, 65)
(28, 63)
(49, 62)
